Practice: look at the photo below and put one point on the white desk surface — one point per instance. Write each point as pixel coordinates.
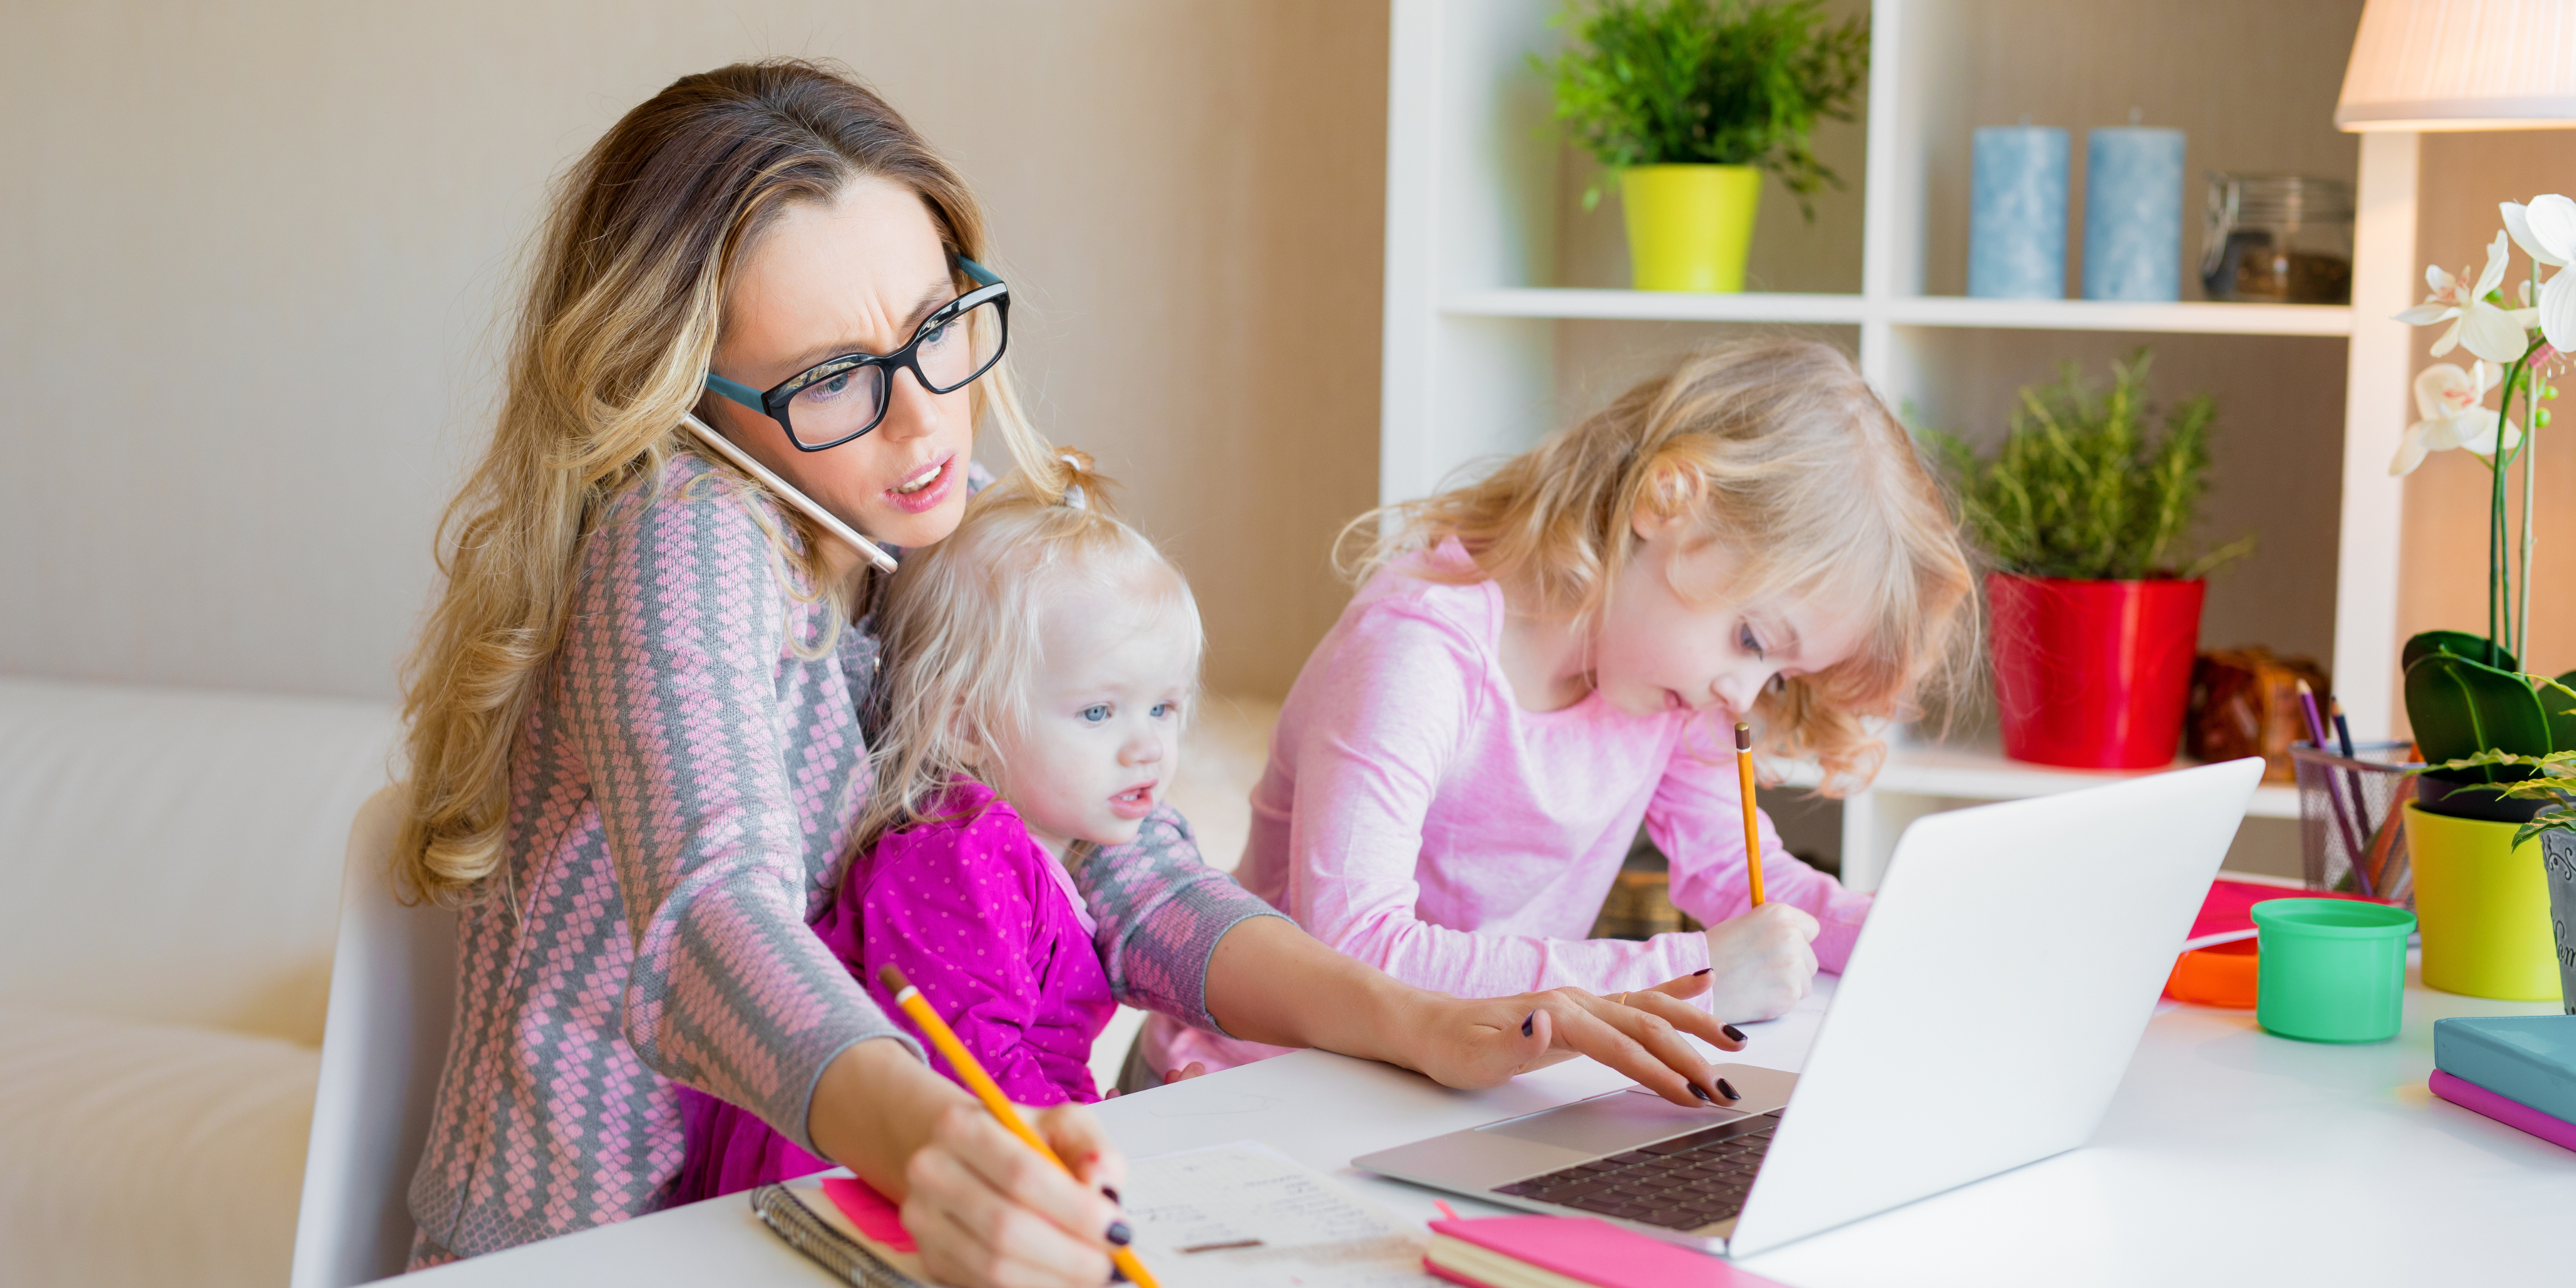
(2228, 1157)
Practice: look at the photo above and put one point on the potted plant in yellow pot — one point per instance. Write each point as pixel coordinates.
(2494, 735)
(1688, 103)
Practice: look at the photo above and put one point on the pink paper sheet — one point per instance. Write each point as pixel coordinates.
(872, 1212)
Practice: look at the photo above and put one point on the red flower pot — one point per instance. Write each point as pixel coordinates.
(2093, 674)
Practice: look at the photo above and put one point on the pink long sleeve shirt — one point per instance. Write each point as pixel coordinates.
(1416, 817)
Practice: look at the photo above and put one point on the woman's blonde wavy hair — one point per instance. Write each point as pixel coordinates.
(1776, 448)
(963, 621)
(625, 299)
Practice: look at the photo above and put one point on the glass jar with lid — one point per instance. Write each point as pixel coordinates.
(2278, 239)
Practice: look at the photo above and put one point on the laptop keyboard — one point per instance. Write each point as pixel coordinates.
(1679, 1184)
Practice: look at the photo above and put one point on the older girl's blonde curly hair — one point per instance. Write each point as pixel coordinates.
(1777, 448)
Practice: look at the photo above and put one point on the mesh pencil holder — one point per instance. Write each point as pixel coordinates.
(2352, 835)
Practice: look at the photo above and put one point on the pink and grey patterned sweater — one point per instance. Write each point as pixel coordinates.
(681, 797)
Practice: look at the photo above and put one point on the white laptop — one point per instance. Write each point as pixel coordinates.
(1986, 1017)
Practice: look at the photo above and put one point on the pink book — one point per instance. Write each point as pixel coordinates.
(2504, 1109)
(1499, 1251)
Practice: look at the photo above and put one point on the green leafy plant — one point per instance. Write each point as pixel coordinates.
(2081, 489)
(2549, 778)
(1708, 82)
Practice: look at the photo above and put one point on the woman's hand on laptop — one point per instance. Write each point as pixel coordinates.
(1762, 963)
(1485, 1042)
(1270, 981)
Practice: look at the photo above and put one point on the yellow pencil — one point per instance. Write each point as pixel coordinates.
(981, 1083)
(1752, 828)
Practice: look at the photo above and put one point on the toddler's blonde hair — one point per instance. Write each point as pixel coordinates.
(1777, 448)
(962, 620)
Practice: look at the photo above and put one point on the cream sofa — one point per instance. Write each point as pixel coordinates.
(169, 889)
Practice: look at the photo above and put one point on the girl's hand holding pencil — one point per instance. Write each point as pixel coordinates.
(1768, 953)
(1765, 961)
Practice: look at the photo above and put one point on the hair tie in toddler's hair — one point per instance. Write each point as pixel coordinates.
(1073, 491)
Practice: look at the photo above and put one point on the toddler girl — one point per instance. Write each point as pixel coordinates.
(1542, 660)
(1049, 653)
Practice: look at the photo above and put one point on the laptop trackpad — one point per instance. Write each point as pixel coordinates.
(1608, 1124)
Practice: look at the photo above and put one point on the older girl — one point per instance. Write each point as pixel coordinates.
(635, 751)
(1543, 660)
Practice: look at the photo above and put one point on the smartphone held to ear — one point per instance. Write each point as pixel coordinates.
(831, 522)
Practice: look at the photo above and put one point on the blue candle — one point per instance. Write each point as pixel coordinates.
(2017, 219)
(2133, 215)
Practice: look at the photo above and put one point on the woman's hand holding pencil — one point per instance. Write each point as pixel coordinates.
(987, 1211)
(971, 1071)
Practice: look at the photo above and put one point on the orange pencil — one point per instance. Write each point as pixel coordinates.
(1752, 828)
(981, 1083)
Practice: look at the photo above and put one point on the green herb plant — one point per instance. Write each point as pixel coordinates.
(1707, 82)
(2080, 488)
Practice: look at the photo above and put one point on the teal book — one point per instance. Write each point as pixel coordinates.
(2527, 1058)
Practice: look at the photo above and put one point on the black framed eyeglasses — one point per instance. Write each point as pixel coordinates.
(839, 399)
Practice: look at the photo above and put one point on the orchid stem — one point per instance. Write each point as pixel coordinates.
(2499, 601)
(2530, 483)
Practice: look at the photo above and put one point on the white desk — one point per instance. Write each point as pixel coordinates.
(2229, 1157)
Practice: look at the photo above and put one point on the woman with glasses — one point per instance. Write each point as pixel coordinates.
(635, 742)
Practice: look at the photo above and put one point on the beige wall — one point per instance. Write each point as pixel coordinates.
(251, 259)
(2442, 582)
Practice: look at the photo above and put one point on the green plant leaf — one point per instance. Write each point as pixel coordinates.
(2558, 699)
(2457, 644)
(2461, 708)
(2550, 778)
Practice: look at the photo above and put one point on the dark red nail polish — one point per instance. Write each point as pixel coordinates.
(1702, 1093)
(1728, 1088)
(1112, 1192)
(1119, 1235)
(1733, 1034)
(1701, 971)
(1530, 1025)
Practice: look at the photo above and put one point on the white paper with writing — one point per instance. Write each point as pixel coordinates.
(1245, 1214)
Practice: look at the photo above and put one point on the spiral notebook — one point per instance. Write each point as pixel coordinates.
(1233, 1216)
(814, 1225)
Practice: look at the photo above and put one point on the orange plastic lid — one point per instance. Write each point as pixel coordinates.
(2219, 975)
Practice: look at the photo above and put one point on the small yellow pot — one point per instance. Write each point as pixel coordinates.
(2483, 904)
(1689, 226)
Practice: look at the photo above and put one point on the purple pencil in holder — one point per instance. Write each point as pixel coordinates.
(2351, 825)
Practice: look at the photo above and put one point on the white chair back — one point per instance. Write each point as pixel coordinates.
(393, 999)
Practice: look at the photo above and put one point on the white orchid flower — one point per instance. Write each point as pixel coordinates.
(2453, 403)
(2546, 231)
(2490, 332)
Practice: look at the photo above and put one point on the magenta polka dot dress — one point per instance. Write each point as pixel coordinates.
(985, 923)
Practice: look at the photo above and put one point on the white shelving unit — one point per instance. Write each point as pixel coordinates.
(1488, 345)
(2197, 317)
(1925, 779)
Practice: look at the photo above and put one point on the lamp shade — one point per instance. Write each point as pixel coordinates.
(2462, 65)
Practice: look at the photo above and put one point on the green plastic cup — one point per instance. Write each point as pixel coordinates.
(2331, 970)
